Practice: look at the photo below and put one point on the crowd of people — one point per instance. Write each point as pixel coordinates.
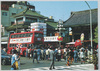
(70, 55)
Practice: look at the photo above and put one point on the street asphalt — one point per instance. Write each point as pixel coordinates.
(27, 64)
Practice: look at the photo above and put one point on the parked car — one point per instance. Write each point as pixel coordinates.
(5, 58)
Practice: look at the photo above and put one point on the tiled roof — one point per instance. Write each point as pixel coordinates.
(82, 18)
(29, 13)
(51, 25)
(13, 27)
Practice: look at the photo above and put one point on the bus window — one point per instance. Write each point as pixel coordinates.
(19, 35)
(41, 35)
(12, 36)
(14, 45)
(10, 45)
(23, 35)
(25, 45)
(16, 36)
(38, 35)
(31, 34)
(27, 35)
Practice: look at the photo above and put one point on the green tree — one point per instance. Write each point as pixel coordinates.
(96, 35)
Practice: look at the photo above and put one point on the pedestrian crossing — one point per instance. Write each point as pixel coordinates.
(64, 67)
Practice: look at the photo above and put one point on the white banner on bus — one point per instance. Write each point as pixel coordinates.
(21, 40)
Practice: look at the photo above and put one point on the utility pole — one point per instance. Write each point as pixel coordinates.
(90, 27)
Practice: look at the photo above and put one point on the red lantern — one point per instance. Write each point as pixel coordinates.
(78, 43)
(60, 38)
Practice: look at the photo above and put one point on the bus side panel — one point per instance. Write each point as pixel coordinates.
(33, 37)
(9, 49)
(23, 51)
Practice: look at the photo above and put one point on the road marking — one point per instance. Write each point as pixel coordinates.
(72, 67)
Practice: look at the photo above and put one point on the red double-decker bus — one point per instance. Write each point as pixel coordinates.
(25, 39)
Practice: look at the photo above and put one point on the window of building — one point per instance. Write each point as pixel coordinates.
(12, 23)
(4, 13)
(19, 19)
(31, 19)
(13, 13)
(2, 30)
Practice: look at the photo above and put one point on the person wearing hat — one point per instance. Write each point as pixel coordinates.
(13, 60)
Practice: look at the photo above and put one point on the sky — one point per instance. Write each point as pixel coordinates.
(61, 9)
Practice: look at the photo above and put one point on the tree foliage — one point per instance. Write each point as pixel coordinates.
(96, 35)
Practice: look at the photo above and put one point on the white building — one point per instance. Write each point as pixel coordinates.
(37, 26)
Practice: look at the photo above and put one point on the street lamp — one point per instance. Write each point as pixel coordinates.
(90, 26)
(60, 27)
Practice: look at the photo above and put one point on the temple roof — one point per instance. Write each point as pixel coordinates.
(82, 18)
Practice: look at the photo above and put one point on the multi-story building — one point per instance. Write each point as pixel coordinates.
(8, 9)
(18, 16)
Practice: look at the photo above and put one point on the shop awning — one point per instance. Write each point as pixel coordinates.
(71, 43)
(4, 42)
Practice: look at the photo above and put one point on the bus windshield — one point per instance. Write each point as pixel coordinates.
(38, 35)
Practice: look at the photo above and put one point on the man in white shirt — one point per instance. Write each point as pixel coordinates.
(59, 54)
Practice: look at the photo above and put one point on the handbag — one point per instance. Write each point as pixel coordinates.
(15, 65)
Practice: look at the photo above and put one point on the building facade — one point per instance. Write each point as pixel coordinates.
(80, 23)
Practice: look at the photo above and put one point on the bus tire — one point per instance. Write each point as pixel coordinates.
(24, 53)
